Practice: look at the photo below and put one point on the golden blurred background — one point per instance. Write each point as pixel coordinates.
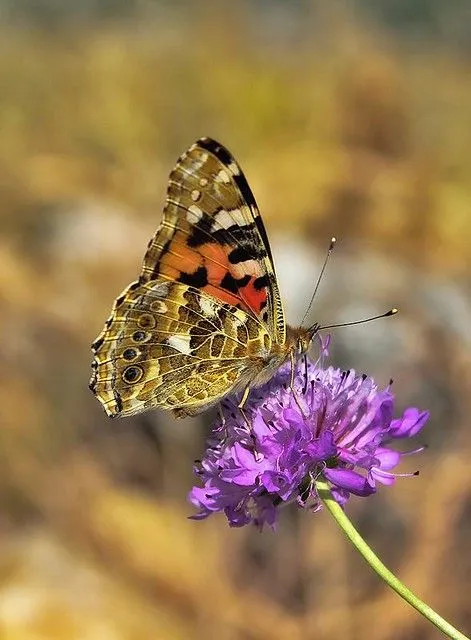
(350, 119)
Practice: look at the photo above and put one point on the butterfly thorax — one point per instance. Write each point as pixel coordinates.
(267, 360)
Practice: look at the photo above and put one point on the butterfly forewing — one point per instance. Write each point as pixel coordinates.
(212, 236)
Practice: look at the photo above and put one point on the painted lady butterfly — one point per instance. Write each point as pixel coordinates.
(205, 318)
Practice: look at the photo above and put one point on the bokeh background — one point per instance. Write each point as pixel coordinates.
(350, 119)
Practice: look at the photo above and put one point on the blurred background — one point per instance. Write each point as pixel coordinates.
(350, 119)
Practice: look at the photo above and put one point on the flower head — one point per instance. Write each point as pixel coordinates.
(332, 422)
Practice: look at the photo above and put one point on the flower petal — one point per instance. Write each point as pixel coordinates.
(388, 458)
(350, 480)
(410, 424)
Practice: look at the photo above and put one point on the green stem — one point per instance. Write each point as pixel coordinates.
(376, 564)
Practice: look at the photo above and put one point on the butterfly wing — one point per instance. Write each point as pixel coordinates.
(206, 307)
(172, 346)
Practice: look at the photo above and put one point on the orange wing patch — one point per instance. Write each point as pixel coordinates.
(208, 267)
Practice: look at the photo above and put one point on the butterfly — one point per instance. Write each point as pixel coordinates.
(205, 317)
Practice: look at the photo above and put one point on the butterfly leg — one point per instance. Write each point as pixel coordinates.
(245, 395)
(221, 415)
(241, 404)
(245, 418)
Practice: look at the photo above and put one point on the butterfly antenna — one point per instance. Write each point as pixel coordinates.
(391, 312)
(326, 260)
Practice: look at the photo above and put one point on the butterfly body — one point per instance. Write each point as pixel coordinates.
(205, 318)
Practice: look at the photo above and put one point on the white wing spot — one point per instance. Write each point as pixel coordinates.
(227, 219)
(222, 176)
(208, 307)
(234, 169)
(203, 182)
(248, 267)
(161, 290)
(239, 317)
(194, 214)
(195, 195)
(180, 343)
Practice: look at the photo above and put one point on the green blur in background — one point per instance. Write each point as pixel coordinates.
(349, 119)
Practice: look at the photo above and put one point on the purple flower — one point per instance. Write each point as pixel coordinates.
(335, 423)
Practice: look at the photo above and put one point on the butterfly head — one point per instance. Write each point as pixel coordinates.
(303, 337)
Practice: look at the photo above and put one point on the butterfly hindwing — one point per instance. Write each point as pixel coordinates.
(170, 345)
